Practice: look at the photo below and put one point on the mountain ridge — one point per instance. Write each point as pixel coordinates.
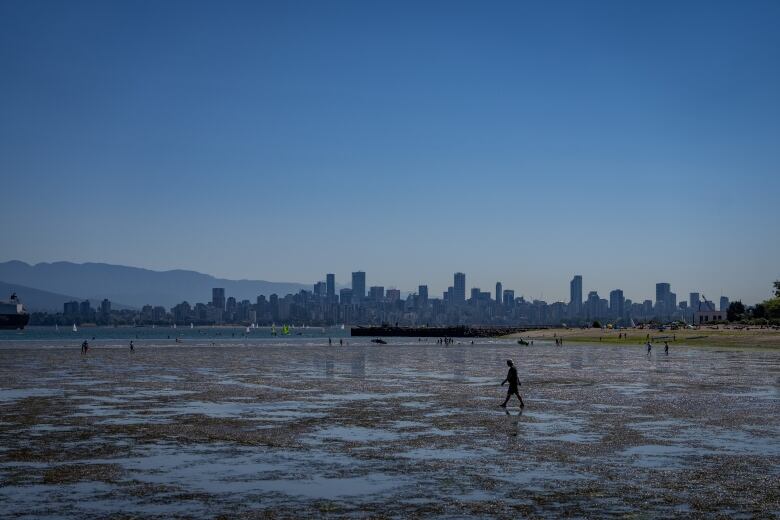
(135, 286)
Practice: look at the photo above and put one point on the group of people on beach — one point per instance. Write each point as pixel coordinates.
(447, 341)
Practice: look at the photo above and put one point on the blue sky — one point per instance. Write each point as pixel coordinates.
(630, 142)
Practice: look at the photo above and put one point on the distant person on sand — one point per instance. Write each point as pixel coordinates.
(132, 347)
(649, 348)
(666, 348)
(84, 347)
(514, 384)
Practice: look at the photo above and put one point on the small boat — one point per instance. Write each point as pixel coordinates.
(342, 326)
(174, 325)
(74, 328)
(523, 342)
(192, 325)
(379, 341)
(247, 330)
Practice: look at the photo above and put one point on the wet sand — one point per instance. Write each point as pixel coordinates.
(400, 430)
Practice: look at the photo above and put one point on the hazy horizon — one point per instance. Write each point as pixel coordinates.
(521, 143)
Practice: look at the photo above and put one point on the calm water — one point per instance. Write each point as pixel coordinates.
(291, 427)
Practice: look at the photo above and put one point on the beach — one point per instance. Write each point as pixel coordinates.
(408, 429)
(706, 336)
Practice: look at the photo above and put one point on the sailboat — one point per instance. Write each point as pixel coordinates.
(174, 325)
(192, 326)
(56, 328)
(247, 330)
(273, 329)
(342, 326)
(74, 328)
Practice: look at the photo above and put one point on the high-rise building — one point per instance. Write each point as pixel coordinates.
(616, 303)
(345, 296)
(694, 301)
(358, 286)
(575, 295)
(459, 288)
(422, 293)
(376, 293)
(509, 297)
(393, 295)
(662, 291)
(218, 298)
(724, 303)
(330, 282)
(319, 289)
(105, 307)
(499, 292)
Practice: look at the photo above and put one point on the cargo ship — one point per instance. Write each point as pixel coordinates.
(12, 314)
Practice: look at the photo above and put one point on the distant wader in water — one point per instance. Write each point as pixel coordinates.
(649, 348)
(514, 384)
(132, 347)
(666, 348)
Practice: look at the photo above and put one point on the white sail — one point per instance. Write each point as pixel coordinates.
(192, 326)
(74, 328)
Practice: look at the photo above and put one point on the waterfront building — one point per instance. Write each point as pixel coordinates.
(105, 307)
(499, 292)
(575, 295)
(218, 298)
(694, 301)
(509, 297)
(459, 288)
(422, 295)
(724, 303)
(376, 293)
(330, 282)
(345, 296)
(358, 286)
(616, 303)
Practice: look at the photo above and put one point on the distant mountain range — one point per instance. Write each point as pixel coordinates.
(35, 300)
(129, 286)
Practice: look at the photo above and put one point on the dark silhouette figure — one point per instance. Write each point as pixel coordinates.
(666, 348)
(132, 347)
(649, 348)
(514, 384)
(84, 347)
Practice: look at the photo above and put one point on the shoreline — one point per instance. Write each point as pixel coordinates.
(702, 337)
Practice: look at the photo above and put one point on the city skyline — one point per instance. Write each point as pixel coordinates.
(519, 143)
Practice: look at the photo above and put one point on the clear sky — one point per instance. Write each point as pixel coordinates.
(630, 142)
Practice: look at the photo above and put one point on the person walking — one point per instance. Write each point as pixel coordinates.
(649, 348)
(666, 348)
(514, 384)
(132, 347)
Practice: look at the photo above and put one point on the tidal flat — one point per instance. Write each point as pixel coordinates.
(407, 429)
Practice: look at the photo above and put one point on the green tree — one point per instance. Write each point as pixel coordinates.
(735, 311)
(777, 288)
(597, 324)
(772, 308)
(759, 311)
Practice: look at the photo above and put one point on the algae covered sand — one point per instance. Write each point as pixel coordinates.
(398, 430)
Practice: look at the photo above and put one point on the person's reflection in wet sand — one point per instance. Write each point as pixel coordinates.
(359, 363)
(329, 371)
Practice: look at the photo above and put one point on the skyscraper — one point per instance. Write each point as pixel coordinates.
(330, 281)
(724, 303)
(662, 291)
(575, 295)
(358, 286)
(499, 292)
(218, 298)
(422, 292)
(509, 297)
(459, 288)
(616, 303)
(694, 301)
